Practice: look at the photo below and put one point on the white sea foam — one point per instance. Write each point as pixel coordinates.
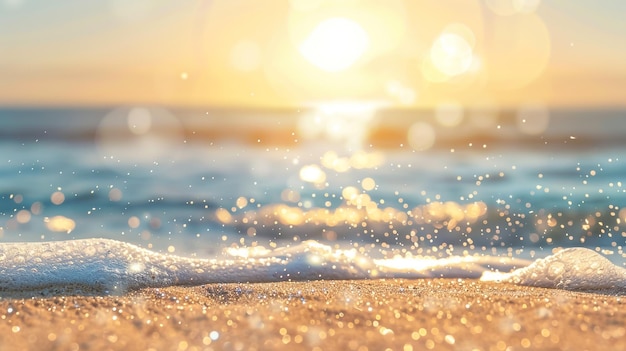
(109, 266)
(570, 269)
(103, 266)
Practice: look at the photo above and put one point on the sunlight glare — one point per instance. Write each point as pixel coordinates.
(335, 44)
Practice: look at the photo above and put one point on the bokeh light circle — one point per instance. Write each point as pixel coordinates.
(421, 136)
(451, 54)
(139, 135)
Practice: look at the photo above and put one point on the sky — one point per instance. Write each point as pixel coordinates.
(292, 53)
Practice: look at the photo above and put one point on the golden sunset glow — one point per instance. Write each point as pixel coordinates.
(294, 53)
(313, 174)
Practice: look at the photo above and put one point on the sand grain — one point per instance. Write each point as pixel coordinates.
(320, 315)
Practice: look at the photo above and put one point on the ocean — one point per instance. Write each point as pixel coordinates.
(383, 183)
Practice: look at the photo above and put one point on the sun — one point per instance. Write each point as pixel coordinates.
(335, 44)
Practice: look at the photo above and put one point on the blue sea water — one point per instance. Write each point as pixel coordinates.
(196, 181)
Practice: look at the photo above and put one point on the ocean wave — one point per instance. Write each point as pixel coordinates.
(109, 267)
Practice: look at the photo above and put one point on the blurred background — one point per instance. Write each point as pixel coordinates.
(399, 126)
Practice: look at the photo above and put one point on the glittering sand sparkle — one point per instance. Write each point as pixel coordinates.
(321, 315)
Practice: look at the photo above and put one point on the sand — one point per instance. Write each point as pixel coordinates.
(440, 314)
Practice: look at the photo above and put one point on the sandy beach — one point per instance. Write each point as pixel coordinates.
(441, 314)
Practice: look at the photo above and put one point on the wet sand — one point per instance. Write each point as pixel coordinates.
(321, 315)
